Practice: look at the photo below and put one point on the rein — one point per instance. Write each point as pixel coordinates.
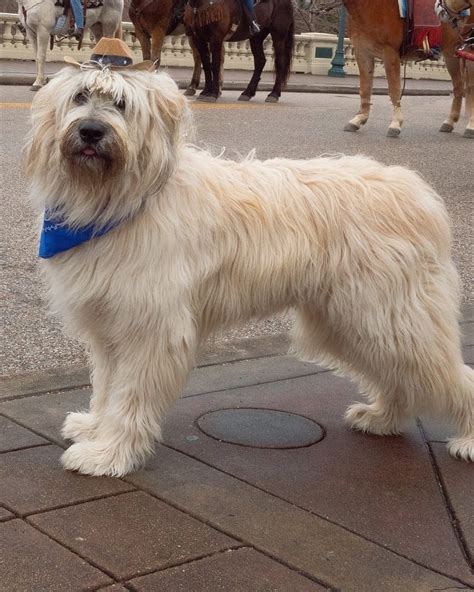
(448, 15)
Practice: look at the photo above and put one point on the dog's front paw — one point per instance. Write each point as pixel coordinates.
(367, 418)
(462, 448)
(78, 426)
(98, 459)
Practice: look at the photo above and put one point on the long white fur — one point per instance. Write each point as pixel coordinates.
(360, 250)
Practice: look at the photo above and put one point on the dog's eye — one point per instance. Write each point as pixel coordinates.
(81, 97)
(120, 104)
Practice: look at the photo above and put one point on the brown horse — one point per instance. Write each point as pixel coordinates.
(377, 31)
(211, 22)
(153, 20)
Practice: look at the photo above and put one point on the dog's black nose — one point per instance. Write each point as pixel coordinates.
(91, 131)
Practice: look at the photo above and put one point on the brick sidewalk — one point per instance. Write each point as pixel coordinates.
(285, 510)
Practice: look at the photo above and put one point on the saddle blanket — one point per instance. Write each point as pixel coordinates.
(29, 4)
(425, 28)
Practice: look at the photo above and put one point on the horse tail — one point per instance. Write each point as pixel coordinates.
(284, 57)
(288, 54)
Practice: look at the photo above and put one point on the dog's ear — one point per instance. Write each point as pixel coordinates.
(171, 104)
(40, 142)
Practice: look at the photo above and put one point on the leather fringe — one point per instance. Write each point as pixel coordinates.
(203, 16)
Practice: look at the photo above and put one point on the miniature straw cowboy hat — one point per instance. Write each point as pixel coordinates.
(113, 53)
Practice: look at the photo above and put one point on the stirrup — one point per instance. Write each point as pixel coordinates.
(254, 28)
(60, 28)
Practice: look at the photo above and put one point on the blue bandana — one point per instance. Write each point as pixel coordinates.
(57, 237)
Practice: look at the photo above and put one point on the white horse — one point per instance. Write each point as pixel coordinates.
(39, 17)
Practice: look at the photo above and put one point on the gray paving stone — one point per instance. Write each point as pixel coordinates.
(113, 588)
(458, 479)
(33, 480)
(239, 570)
(383, 488)
(467, 333)
(131, 534)
(46, 413)
(37, 382)
(32, 562)
(13, 436)
(303, 541)
(247, 372)
(467, 313)
(5, 515)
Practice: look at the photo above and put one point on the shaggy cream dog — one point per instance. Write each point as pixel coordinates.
(183, 243)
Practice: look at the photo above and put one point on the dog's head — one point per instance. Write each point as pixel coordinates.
(101, 136)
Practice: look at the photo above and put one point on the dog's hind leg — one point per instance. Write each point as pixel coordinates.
(403, 350)
(315, 338)
(150, 373)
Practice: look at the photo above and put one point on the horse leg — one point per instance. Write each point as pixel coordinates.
(191, 90)
(157, 38)
(203, 50)
(259, 60)
(145, 43)
(468, 69)
(41, 47)
(365, 63)
(97, 32)
(391, 59)
(282, 65)
(454, 68)
(217, 49)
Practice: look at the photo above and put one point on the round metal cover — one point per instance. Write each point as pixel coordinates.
(261, 428)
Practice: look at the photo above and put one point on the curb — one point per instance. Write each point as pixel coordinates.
(78, 376)
(28, 79)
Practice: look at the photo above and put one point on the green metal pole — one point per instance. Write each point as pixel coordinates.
(337, 63)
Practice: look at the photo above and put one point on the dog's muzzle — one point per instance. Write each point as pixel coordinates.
(93, 145)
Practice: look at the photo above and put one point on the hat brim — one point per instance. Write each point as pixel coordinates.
(145, 65)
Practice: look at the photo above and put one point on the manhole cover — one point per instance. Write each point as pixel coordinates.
(261, 428)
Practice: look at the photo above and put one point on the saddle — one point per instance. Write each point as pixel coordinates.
(65, 24)
(423, 32)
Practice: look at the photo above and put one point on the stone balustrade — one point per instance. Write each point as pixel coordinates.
(312, 53)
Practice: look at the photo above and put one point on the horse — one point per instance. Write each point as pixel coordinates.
(211, 22)
(377, 31)
(39, 17)
(153, 20)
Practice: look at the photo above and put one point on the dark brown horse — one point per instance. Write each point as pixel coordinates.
(211, 22)
(377, 31)
(153, 20)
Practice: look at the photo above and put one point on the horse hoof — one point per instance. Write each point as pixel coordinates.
(468, 133)
(351, 127)
(244, 98)
(271, 99)
(207, 98)
(189, 92)
(446, 127)
(35, 87)
(393, 132)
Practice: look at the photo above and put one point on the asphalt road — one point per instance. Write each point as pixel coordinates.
(300, 126)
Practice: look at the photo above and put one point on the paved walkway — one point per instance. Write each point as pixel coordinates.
(257, 487)
(22, 72)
